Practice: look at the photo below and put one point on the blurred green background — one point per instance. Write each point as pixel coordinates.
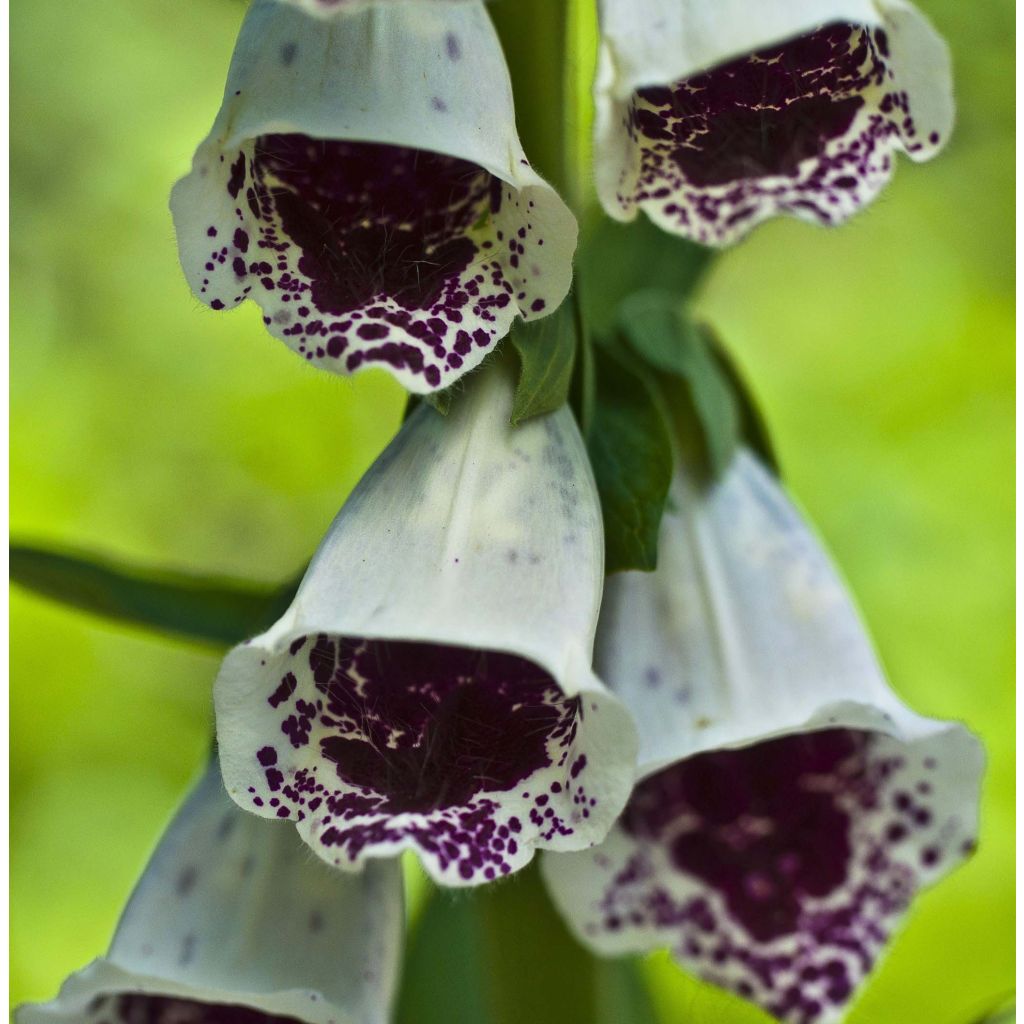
(146, 426)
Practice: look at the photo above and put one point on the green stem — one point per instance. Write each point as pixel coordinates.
(580, 68)
(533, 35)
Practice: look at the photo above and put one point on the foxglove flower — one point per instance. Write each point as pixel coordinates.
(232, 921)
(714, 117)
(430, 687)
(788, 805)
(365, 185)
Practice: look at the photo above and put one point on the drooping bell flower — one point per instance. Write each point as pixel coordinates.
(711, 118)
(430, 688)
(234, 923)
(364, 184)
(788, 805)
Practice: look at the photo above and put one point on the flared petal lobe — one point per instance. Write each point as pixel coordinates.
(789, 806)
(714, 119)
(364, 184)
(430, 688)
(232, 921)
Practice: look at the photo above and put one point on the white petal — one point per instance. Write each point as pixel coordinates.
(339, 8)
(430, 687)
(745, 632)
(364, 184)
(713, 118)
(232, 912)
(790, 805)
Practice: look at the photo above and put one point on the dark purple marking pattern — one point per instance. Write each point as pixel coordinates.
(806, 128)
(470, 757)
(362, 254)
(779, 870)
(138, 1008)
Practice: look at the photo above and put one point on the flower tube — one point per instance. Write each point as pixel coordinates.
(364, 184)
(430, 687)
(339, 8)
(789, 806)
(232, 921)
(711, 118)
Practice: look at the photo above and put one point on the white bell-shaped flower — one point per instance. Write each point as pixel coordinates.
(364, 184)
(788, 805)
(234, 923)
(430, 688)
(713, 117)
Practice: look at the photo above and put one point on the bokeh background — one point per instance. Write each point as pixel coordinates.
(145, 426)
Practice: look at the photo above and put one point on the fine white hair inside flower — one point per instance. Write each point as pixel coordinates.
(471, 757)
(807, 126)
(377, 206)
(367, 254)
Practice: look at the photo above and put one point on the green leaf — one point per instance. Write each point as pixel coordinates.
(444, 975)
(753, 428)
(631, 453)
(209, 610)
(663, 336)
(1002, 1011)
(1008, 1016)
(616, 260)
(500, 954)
(547, 353)
(441, 401)
(622, 996)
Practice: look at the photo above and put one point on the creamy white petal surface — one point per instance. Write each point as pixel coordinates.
(234, 923)
(430, 687)
(789, 805)
(340, 8)
(711, 118)
(364, 184)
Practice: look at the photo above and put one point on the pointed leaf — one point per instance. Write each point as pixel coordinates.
(661, 334)
(209, 610)
(753, 428)
(616, 260)
(547, 353)
(631, 453)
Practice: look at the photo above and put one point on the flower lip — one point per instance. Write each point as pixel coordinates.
(378, 209)
(468, 756)
(804, 123)
(778, 870)
(394, 263)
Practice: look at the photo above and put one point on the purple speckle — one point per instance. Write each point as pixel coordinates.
(803, 128)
